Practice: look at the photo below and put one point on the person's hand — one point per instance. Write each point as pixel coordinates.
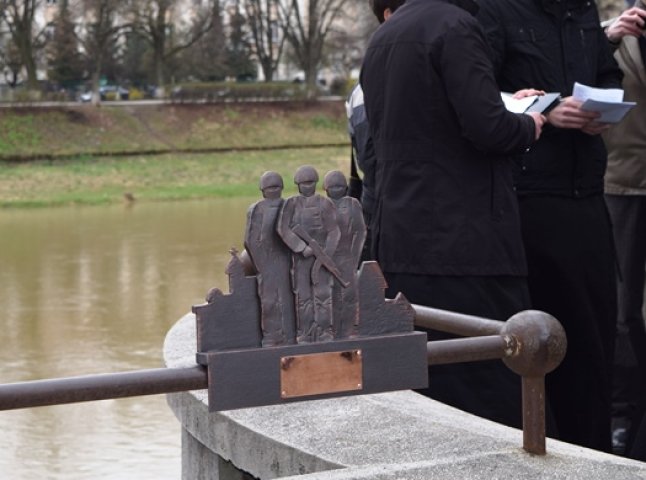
(631, 22)
(539, 121)
(595, 128)
(527, 92)
(568, 114)
(308, 252)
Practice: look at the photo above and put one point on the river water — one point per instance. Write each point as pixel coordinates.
(94, 290)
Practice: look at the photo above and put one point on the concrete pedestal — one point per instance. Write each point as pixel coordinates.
(387, 436)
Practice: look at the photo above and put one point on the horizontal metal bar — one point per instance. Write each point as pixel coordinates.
(86, 388)
(469, 349)
(456, 323)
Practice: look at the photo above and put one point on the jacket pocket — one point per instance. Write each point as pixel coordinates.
(586, 40)
(527, 38)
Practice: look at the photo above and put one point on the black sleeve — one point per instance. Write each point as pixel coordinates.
(494, 33)
(468, 78)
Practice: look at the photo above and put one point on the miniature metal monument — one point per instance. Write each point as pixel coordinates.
(300, 321)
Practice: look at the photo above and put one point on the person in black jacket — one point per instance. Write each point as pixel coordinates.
(446, 229)
(549, 45)
(363, 150)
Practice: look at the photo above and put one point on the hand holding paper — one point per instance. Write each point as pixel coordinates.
(568, 114)
(607, 101)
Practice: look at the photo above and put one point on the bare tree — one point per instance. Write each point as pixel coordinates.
(153, 18)
(308, 24)
(205, 60)
(103, 23)
(239, 59)
(10, 63)
(65, 66)
(136, 59)
(266, 21)
(18, 16)
(345, 47)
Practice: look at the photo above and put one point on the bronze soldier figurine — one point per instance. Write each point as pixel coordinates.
(349, 217)
(271, 259)
(307, 224)
(281, 293)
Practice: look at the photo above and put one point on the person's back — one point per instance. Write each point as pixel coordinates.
(363, 159)
(446, 227)
(431, 124)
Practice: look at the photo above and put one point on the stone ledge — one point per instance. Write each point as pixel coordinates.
(384, 436)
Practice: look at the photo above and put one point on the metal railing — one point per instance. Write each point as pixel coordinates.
(531, 343)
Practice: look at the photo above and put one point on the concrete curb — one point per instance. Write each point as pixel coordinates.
(384, 436)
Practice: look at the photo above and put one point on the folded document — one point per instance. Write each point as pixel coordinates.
(607, 101)
(534, 103)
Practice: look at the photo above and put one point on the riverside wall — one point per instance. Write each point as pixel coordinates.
(399, 435)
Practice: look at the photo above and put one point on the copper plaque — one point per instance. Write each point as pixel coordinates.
(320, 373)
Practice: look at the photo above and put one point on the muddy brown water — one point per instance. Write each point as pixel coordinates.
(88, 290)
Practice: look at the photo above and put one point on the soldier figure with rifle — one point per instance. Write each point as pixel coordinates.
(308, 226)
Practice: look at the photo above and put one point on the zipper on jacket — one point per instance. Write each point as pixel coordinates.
(584, 49)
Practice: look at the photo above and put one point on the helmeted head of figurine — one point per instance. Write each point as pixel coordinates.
(271, 184)
(306, 178)
(335, 184)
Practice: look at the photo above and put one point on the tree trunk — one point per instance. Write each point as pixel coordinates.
(25, 47)
(312, 53)
(159, 68)
(32, 78)
(267, 69)
(310, 77)
(159, 45)
(96, 78)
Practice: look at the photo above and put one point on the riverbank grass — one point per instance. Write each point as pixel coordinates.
(102, 180)
(32, 133)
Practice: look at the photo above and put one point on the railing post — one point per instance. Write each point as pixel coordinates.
(531, 343)
(541, 344)
(534, 415)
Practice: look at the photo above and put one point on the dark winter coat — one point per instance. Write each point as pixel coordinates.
(445, 203)
(549, 45)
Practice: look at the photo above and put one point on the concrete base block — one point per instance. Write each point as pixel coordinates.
(200, 463)
(384, 436)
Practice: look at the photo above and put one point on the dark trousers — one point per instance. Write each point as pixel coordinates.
(570, 257)
(638, 447)
(487, 389)
(628, 214)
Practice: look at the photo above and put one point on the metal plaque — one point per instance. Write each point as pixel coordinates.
(321, 373)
